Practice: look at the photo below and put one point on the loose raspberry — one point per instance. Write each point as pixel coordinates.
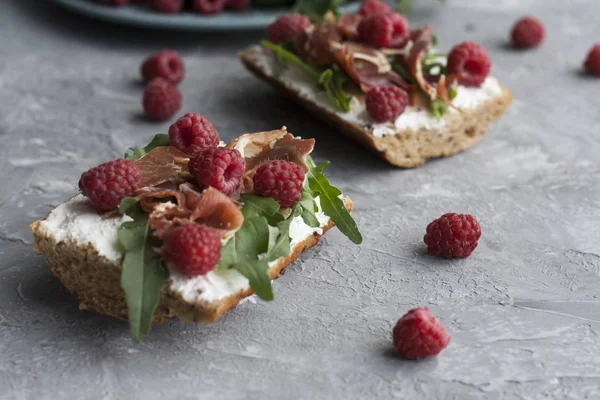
(167, 6)
(161, 100)
(282, 180)
(372, 7)
(219, 167)
(527, 33)
(192, 133)
(452, 235)
(238, 5)
(418, 334)
(107, 184)
(592, 62)
(287, 27)
(166, 64)
(208, 6)
(192, 249)
(117, 3)
(470, 62)
(386, 103)
(384, 30)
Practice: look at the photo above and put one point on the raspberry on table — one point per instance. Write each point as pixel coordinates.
(208, 6)
(219, 167)
(107, 184)
(372, 7)
(452, 235)
(385, 104)
(384, 30)
(418, 334)
(166, 64)
(192, 249)
(527, 33)
(592, 61)
(287, 27)
(192, 133)
(161, 100)
(470, 62)
(166, 6)
(238, 5)
(281, 180)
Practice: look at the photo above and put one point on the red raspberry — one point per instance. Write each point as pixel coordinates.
(208, 6)
(287, 27)
(386, 103)
(527, 33)
(219, 167)
(418, 334)
(592, 62)
(238, 5)
(192, 249)
(161, 100)
(384, 30)
(470, 62)
(167, 6)
(192, 133)
(452, 235)
(167, 65)
(282, 180)
(107, 184)
(117, 3)
(372, 7)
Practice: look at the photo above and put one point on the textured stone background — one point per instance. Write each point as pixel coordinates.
(523, 310)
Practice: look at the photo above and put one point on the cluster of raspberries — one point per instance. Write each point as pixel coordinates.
(175, 6)
(194, 249)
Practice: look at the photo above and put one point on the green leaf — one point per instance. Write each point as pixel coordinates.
(291, 57)
(142, 274)
(250, 241)
(329, 80)
(255, 206)
(438, 108)
(452, 92)
(316, 9)
(127, 203)
(162, 139)
(308, 209)
(330, 201)
(404, 6)
(257, 273)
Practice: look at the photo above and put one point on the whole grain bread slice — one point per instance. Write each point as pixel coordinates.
(406, 148)
(96, 280)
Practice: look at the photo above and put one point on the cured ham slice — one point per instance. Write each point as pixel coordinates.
(257, 148)
(161, 165)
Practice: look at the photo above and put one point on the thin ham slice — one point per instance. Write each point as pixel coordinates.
(163, 164)
(256, 148)
(209, 207)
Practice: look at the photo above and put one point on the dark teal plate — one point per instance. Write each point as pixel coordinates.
(140, 15)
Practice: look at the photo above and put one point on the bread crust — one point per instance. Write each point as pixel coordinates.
(408, 148)
(96, 280)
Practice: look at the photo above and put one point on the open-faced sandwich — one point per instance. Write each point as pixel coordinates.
(385, 85)
(188, 226)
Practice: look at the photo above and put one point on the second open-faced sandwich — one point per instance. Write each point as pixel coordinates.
(188, 225)
(387, 86)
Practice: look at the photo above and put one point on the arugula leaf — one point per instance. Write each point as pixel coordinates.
(242, 252)
(162, 139)
(143, 273)
(404, 6)
(257, 273)
(330, 201)
(438, 108)
(255, 206)
(316, 9)
(281, 244)
(308, 209)
(452, 92)
(329, 80)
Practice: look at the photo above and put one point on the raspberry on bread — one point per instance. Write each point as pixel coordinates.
(202, 248)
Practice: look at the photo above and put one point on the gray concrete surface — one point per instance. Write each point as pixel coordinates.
(523, 310)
